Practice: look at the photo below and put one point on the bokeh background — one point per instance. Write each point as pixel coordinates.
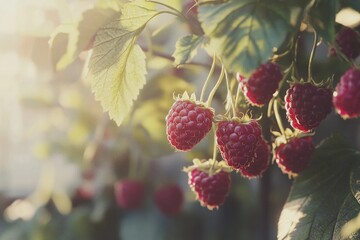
(60, 155)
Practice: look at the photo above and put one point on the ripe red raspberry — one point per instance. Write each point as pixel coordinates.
(262, 84)
(129, 194)
(348, 41)
(84, 194)
(260, 162)
(307, 105)
(169, 199)
(346, 98)
(210, 189)
(293, 157)
(237, 141)
(187, 123)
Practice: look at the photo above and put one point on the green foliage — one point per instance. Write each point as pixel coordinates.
(245, 33)
(117, 65)
(355, 183)
(349, 210)
(186, 48)
(324, 21)
(351, 3)
(76, 37)
(320, 201)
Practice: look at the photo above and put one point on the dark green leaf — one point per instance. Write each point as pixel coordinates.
(245, 32)
(323, 21)
(355, 182)
(318, 194)
(348, 211)
(351, 3)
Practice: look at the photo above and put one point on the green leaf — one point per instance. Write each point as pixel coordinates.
(319, 194)
(110, 4)
(118, 86)
(351, 3)
(245, 32)
(348, 211)
(186, 48)
(323, 21)
(80, 35)
(117, 65)
(355, 182)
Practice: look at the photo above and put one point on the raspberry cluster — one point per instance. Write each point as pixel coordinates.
(242, 146)
(130, 194)
(240, 141)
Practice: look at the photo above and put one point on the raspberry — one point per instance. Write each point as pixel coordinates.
(187, 123)
(346, 98)
(169, 199)
(293, 157)
(307, 105)
(262, 84)
(210, 189)
(83, 195)
(260, 162)
(348, 41)
(237, 141)
(129, 194)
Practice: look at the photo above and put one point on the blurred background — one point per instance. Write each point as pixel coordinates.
(60, 155)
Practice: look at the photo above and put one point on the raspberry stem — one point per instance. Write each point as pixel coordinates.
(213, 91)
(278, 117)
(286, 72)
(176, 12)
(294, 61)
(208, 78)
(237, 98)
(214, 153)
(312, 54)
(230, 94)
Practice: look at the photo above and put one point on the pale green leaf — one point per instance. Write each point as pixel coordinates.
(117, 65)
(245, 32)
(83, 33)
(117, 86)
(186, 48)
(110, 4)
